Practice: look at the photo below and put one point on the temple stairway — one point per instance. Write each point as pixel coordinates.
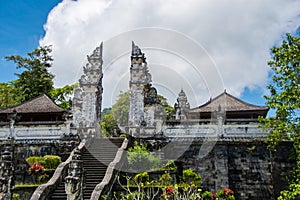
(95, 158)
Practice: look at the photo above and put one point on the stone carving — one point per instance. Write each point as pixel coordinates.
(96, 57)
(182, 106)
(139, 77)
(137, 53)
(74, 180)
(88, 96)
(145, 113)
(6, 174)
(150, 95)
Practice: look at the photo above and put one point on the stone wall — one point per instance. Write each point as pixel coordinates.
(23, 150)
(247, 167)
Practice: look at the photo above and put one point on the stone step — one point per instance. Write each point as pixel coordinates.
(95, 161)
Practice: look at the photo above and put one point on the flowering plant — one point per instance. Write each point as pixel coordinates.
(228, 191)
(226, 194)
(36, 168)
(169, 189)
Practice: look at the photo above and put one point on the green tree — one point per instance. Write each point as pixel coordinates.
(62, 96)
(35, 79)
(284, 98)
(167, 107)
(109, 125)
(9, 95)
(105, 111)
(120, 109)
(140, 159)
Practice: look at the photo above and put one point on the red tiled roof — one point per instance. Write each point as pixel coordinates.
(40, 104)
(227, 103)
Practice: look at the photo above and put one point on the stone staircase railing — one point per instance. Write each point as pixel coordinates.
(43, 191)
(107, 183)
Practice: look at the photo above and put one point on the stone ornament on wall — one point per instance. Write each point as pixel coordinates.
(74, 180)
(6, 174)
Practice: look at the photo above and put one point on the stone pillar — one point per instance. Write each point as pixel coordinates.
(88, 97)
(74, 180)
(139, 78)
(221, 167)
(221, 152)
(7, 158)
(6, 174)
(146, 115)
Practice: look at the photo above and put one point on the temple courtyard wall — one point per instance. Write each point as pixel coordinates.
(246, 166)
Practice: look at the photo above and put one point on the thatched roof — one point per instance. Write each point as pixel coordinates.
(40, 104)
(227, 102)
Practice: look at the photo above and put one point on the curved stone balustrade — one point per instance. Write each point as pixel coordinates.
(43, 191)
(109, 177)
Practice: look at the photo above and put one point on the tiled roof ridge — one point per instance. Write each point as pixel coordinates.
(42, 97)
(231, 96)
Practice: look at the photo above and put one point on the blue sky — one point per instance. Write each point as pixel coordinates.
(21, 28)
(237, 38)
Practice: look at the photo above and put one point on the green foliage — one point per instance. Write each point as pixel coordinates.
(109, 125)
(35, 159)
(23, 196)
(9, 95)
(284, 91)
(35, 79)
(167, 107)
(51, 161)
(26, 185)
(147, 187)
(48, 161)
(132, 196)
(16, 196)
(226, 194)
(140, 159)
(62, 96)
(190, 177)
(284, 98)
(293, 193)
(206, 195)
(165, 179)
(170, 165)
(43, 178)
(104, 112)
(120, 109)
(141, 177)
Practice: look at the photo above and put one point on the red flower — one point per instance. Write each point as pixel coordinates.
(214, 195)
(169, 189)
(228, 191)
(36, 168)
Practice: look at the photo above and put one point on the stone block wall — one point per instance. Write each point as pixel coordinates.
(247, 167)
(23, 150)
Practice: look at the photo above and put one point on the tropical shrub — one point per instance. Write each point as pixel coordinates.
(191, 178)
(207, 195)
(140, 159)
(51, 161)
(226, 194)
(170, 165)
(35, 159)
(48, 161)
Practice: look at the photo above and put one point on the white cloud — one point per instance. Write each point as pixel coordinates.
(236, 34)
